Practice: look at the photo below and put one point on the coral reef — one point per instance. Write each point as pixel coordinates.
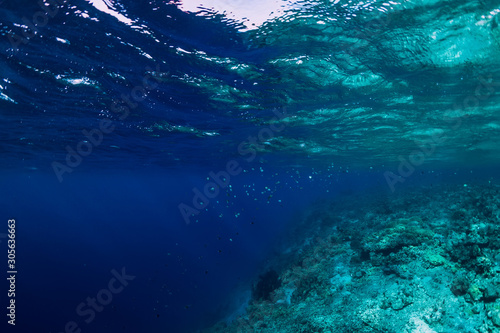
(266, 285)
(426, 261)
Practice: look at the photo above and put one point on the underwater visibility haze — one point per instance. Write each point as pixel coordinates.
(250, 166)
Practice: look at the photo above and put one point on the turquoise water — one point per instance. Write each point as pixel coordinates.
(184, 142)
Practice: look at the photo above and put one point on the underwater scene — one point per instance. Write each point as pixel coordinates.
(268, 166)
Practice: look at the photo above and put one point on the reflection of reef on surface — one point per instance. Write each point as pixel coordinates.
(427, 261)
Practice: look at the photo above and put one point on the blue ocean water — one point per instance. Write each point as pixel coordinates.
(171, 148)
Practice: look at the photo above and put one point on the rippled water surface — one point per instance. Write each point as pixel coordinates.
(361, 82)
(112, 113)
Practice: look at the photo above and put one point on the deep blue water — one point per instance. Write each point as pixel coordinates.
(108, 123)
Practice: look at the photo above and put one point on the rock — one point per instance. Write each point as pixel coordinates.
(475, 293)
(476, 309)
(397, 304)
(495, 318)
(491, 293)
(393, 239)
(435, 259)
(359, 274)
(460, 284)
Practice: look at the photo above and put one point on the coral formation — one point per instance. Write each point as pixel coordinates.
(427, 261)
(266, 285)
